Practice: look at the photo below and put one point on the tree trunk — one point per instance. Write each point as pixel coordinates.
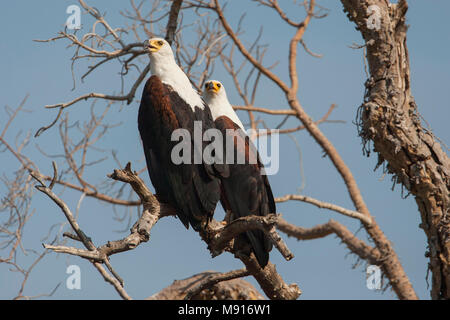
(390, 119)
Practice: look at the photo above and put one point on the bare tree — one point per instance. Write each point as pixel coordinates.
(388, 117)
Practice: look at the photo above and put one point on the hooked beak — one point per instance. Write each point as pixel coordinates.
(150, 46)
(212, 87)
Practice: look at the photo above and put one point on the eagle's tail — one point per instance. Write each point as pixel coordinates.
(259, 244)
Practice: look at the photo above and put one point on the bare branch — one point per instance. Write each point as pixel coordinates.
(265, 223)
(172, 23)
(356, 246)
(266, 110)
(234, 289)
(214, 279)
(325, 205)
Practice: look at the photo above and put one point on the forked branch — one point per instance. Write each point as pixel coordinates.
(217, 237)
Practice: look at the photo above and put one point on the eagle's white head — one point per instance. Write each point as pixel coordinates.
(163, 65)
(159, 49)
(216, 97)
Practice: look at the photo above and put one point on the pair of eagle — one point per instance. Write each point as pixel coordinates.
(169, 102)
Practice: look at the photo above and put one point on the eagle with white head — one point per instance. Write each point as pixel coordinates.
(169, 102)
(245, 190)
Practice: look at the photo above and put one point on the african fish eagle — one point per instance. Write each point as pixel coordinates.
(245, 191)
(169, 102)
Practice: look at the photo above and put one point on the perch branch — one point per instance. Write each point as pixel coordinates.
(266, 223)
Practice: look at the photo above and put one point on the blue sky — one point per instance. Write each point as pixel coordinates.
(322, 268)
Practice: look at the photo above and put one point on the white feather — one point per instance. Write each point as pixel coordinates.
(220, 106)
(163, 65)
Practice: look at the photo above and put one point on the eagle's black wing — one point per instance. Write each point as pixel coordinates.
(246, 191)
(187, 186)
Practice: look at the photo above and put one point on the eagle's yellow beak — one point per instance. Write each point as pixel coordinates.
(213, 86)
(153, 45)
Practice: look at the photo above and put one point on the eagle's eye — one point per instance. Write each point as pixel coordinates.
(218, 85)
(160, 43)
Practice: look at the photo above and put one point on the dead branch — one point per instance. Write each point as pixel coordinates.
(266, 110)
(355, 245)
(172, 23)
(266, 224)
(94, 194)
(234, 289)
(324, 119)
(15, 208)
(325, 205)
(216, 236)
(92, 254)
(212, 280)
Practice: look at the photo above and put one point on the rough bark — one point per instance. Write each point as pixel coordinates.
(389, 118)
(235, 289)
(172, 23)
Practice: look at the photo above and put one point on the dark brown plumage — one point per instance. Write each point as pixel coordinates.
(246, 191)
(192, 189)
